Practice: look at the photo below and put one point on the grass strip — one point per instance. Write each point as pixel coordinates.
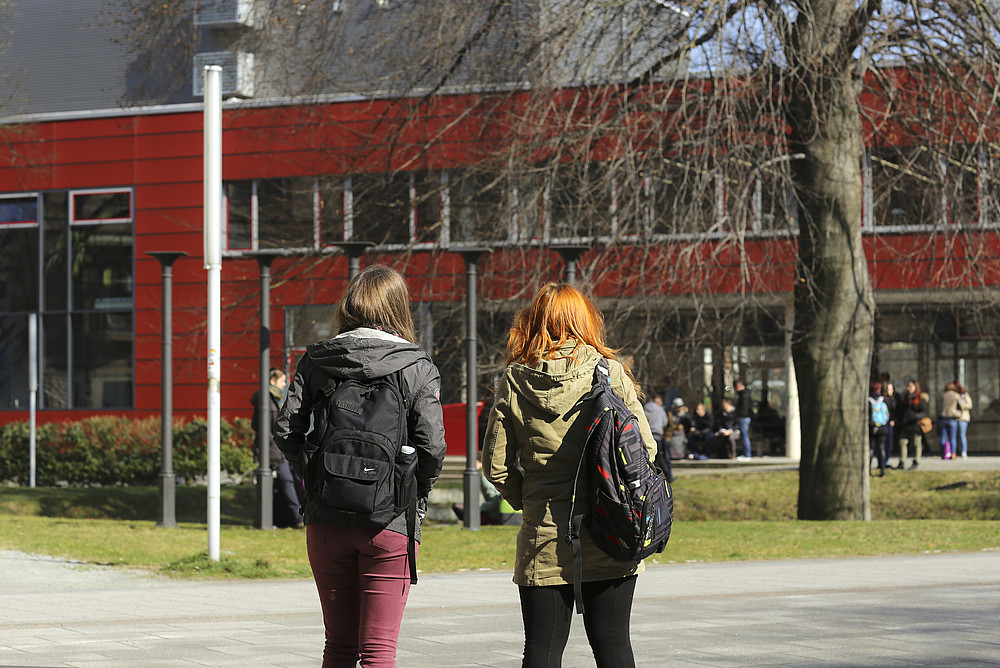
(248, 553)
(746, 516)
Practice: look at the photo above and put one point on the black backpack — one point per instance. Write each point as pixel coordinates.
(363, 473)
(631, 504)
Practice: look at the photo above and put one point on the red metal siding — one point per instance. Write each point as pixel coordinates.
(160, 157)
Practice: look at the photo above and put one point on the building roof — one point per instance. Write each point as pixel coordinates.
(58, 55)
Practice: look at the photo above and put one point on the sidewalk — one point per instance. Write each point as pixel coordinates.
(922, 610)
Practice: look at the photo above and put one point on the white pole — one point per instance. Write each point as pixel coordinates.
(32, 392)
(213, 263)
(793, 420)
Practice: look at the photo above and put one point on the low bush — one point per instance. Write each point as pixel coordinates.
(119, 451)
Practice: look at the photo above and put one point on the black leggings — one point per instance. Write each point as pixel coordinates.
(548, 612)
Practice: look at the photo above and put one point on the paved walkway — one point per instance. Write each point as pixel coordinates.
(923, 610)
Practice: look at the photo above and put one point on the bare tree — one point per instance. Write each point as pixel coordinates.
(713, 150)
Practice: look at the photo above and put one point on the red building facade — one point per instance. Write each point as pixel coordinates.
(83, 200)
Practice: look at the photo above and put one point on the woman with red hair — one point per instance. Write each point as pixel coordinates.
(534, 439)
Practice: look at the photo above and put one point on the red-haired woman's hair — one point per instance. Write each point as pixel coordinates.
(559, 313)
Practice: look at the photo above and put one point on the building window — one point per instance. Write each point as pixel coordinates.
(685, 198)
(312, 213)
(580, 198)
(18, 211)
(907, 187)
(381, 208)
(83, 291)
(478, 206)
(101, 206)
(286, 212)
(427, 192)
(330, 210)
(773, 198)
(19, 253)
(13, 361)
(239, 215)
(962, 167)
(527, 206)
(633, 214)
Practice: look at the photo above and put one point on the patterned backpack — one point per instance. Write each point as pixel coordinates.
(631, 504)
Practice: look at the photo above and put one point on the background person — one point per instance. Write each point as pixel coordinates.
(536, 434)
(744, 414)
(363, 574)
(948, 420)
(727, 431)
(700, 433)
(680, 421)
(911, 408)
(286, 500)
(659, 423)
(891, 401)
(965, 403)
(879, 432)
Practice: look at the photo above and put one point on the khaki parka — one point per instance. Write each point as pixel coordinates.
(534, 439)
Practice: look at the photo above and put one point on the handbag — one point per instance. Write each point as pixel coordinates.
(925, 424)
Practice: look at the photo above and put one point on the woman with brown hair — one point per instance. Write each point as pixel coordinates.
(912, 408)
(948, 417)
(534, 439)
(362, 572)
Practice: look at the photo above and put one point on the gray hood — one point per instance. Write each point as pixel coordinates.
(364, 353)
(555, 386)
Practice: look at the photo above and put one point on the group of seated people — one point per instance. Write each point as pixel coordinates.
(702, 435)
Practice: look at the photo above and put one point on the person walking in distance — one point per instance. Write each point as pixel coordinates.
(286, 497)
(535, 438)
(363, 569)
(744, 414)
(878, 426)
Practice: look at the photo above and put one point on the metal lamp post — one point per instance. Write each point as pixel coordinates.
(471, 477)
(168, 481)
(354, 251)
(264, 518)
(570, 253)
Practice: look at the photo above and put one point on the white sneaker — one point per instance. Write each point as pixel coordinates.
(965, 456)
(742, 458)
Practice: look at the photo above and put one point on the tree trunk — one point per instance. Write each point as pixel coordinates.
(834, 306)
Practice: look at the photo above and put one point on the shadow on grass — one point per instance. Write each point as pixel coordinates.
(238, 503)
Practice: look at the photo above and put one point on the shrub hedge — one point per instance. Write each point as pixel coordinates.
(119, 451)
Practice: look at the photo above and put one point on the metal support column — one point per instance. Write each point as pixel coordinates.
(471, 477)
(168, 481)
(264, 517)
(354, 250)
(571, 254)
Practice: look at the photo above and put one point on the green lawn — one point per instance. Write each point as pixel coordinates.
(718, 517)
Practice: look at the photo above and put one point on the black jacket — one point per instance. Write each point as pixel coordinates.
(726, 420)
(363, 354)
(744, 404)
(276, 456)
(701, 424)
(909, 412)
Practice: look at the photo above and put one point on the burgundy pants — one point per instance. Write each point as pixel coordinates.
(363, 578)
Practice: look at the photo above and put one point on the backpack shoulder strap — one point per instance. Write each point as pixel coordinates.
(600, 385)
